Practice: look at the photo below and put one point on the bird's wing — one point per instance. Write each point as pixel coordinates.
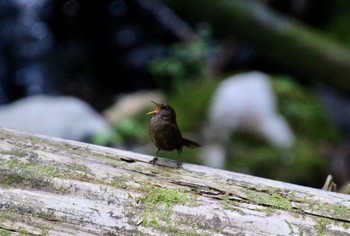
(177, 136)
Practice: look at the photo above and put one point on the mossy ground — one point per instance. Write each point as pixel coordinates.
(4, 232)
(159, 203)
(37, 175)
(270, 198)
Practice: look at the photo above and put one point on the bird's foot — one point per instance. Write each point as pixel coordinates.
(154, 160)
(179, 164)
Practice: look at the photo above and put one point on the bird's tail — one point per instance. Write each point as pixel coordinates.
(189, 143)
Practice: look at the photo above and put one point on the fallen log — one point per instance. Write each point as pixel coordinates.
(50, 186)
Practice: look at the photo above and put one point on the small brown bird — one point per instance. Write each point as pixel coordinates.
(164, 132)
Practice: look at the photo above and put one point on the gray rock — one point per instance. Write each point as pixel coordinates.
(63, 117)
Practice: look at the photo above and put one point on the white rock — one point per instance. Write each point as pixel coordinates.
(63, 117)
(244, 102)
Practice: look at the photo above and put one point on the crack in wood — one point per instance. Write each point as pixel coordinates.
(209, 191)
(128, 160)
(8, 229)
(326, 217)
(143, 173)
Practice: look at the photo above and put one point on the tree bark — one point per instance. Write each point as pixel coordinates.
(50, 186)
(290, 44)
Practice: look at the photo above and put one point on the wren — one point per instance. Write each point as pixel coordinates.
(164, 132)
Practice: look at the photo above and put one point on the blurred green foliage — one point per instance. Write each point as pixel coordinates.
(185, 62)
(191, 103)
(340, 20)
(304, 112)
(134, 130)
(128, 133)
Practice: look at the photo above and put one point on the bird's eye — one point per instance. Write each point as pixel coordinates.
(166, 117)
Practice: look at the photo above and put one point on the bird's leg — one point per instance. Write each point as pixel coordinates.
(155, 158)
(179, 162)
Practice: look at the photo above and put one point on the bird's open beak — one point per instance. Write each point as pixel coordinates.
(155, 110)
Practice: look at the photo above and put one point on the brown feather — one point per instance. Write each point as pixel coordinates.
(189, 143)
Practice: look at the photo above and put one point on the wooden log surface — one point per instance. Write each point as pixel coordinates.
(50, 186)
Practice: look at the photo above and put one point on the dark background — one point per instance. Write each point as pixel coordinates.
(97, 49)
